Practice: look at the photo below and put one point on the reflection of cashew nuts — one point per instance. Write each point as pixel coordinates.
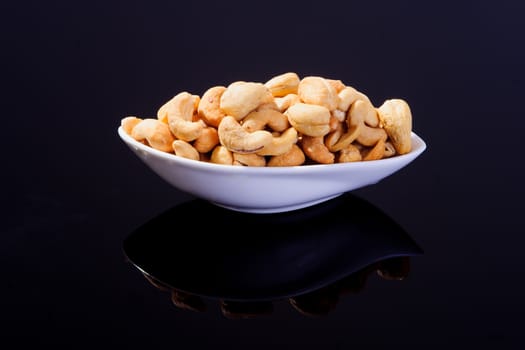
(156, 133)
(208, 139)
(396, 119)
(362, 113)
(234, 137)
(318, 91)
(209, 106)
(280, 144)
(128, 123)
(259, 119)
(315, 149)
(221, 155)
(240, 98)
(295, 156)
(185, 150)
(250, 159)
(309, 119)
(283, 84)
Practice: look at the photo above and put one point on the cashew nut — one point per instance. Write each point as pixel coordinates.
(250, 159)
(364, 114)
(347, 138)
(179, 113)
(209, 107)
(315, 149)
(294, 157)
(280, 144)
(128, 123)
(283, 84)
(309, 119)
(240, 98)
(349, 154)
(318, 91)
(390, 150)
(337, 84)
(221, 155)
(375, 152)
(185, 150)
(259, 119)
(283, 103)
(156, 133)
(396, 119)
(208, 139)
(234, 137)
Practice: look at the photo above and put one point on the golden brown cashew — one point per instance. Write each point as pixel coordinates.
(128, 123)
(221, 155)
(208, 139)
(375, 152)
(209, 107)
(283, 84)
(362, 113)
(309, 119)
(349, 154)
(155, 133)
(390, 150)
(318, 91)
(294, 157)
(283, 103)
(234, 137)
(250, 159)
(259, 119)
(280, 144)
(347, 138)
(240, 98)
(315, 149)
(179, 113)
(396, 119)
(185, 150)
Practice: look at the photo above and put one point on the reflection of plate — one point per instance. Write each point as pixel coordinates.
(265, 189)
(245, 256)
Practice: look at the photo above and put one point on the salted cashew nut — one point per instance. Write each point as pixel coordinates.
(350, 153)
(283, 84)
(221, 155)
(250, 159)
(208, 139)
(315, 149)
(309, 119)
(294, 157)
(128, 123)
(241, 97)
(234, 137)
(280, 144)
(156, 133)
(185, 150)
(396, 118)
(364, 114)
(209, 107)
(318, 91)
(260, 119)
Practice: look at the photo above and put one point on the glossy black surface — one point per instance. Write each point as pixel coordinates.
(73, 193)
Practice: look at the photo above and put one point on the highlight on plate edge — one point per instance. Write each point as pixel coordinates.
(286, 121)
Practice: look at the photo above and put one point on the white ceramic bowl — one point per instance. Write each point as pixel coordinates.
(268, 189)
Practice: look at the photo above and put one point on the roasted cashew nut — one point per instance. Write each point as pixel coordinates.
(396, 118)
(221, 155)
(234, 137)
(309, 119)
(315, 149)
(260, 119)
(349, 154)
(156, 133)
(364, 115)
(283, 84)
(318, 91)
(179, 113)
(283, 103)
(250, 159)
(208, 139)
(294, 157)
(209, 107)
(185, 150)
(280, 144)
(128, 123)
(376, 152)
(240, 98)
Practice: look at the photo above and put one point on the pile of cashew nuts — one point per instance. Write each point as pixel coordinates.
(286, 121)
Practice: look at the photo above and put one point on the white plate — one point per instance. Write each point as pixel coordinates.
(268, 189)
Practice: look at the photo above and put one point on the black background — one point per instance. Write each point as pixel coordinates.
(72, 191)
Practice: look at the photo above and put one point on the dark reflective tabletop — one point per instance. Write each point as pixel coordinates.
(98, 251)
